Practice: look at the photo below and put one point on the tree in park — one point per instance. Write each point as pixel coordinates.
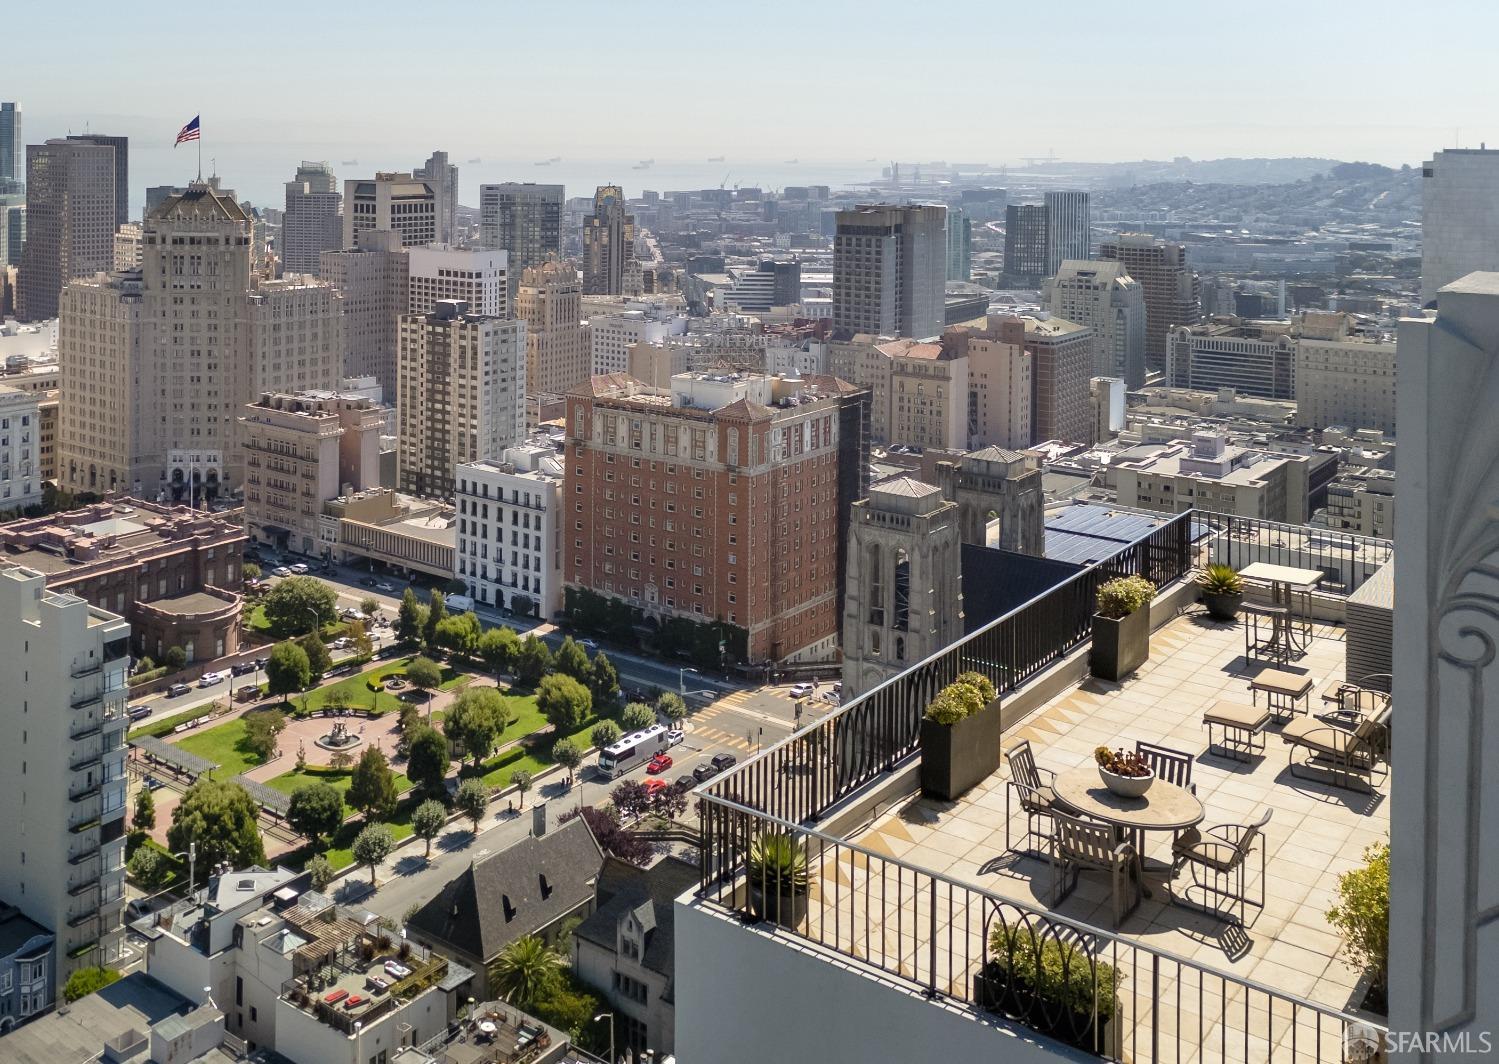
(522, 605)
(572, 660)
(459, 634)
(369, 605)
(319, 661)
(638, 715)
(604, 680)
(472, 799)
(219, 818)
(148, 867)
(425, 675)
(427, 820)
(605, 733)
(364, 646)
(372, 789)
(250, 572)
(563, 701)
(144, 818)
(475, 721)
(300, 604)
(427, 758)
(315, 811)
(498, 648)
(631, 798)
(566, 753)
(321, 870)
(526, 971)
(411, 618)
(288, 669)
(670, 802)
(263, 729)
(522, 781)
(437, 609)
(533, 662)
(371, 846)
(671, 706)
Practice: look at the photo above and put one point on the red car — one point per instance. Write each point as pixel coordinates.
(659, 763)
(654, 786)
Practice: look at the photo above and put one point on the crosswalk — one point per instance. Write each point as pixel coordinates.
(709, 734)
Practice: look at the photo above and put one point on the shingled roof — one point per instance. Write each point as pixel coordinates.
(513, 893)
(650, 893)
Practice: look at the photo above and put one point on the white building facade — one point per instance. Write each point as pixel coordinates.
(476, 276)
(509, 538)
(1459, 216)
(1103, 296)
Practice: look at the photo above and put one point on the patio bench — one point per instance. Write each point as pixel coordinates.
(1285, 692)
(1243, 729)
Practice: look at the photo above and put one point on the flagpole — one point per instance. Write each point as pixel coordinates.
(200, 151)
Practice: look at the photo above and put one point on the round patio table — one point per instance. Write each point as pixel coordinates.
(1165, 807)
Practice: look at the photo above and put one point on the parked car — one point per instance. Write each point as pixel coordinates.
(801, 690)
(387, 588)
(261, 663)
(659, 764)
(674, 737)
(281, 570)
(685, 783)
(589, 645)
(342, 643)
(300, 569)
(241, 668)
(723, 762)
(139, 712)
(208, 679)
(704, 772)
(349, 613)
(368, 581)
(655, 786)
(178, 689)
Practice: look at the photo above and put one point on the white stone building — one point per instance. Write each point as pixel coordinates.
(475, 275)
(1103, 296)
(509, 536)
(20, 448)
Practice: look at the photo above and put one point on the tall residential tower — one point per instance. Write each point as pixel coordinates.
(890, 269)
(313, 222)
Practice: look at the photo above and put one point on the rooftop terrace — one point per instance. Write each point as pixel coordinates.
(911, 887)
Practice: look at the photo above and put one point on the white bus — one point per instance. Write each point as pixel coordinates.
(634, 749)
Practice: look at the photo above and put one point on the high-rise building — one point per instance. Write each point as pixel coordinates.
(12, 231)
(610, 336)
(300, 451)
(1343, 379)
(64, 671)
(905, 599)
(747, 523)
(959, 244)
(1069, 228)
(20, 448)
(1459, 219)
(1025, 245)
(399, 202)
(1062, 360)
(928, 390)
(443, 176)
(608, 243)
(460, 393)
(121, 146)
(524, 220)
(70, 220)
(127, 255)
(1252, 357)
(375, 279)
(550, 302)
(474, 275)
(509, 546)
(1103, 296)
(12, 146)
(1000, 385)
(155, 364)
(889, 270)
(312, 223)
(1173, 293)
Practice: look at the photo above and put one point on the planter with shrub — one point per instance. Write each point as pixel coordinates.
(1222, 591)
(1362, 917)
(1052, 986)
(960, 737)
(777, 875)
(1121, 627)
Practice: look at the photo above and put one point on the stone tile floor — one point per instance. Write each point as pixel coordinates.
(1316, 832)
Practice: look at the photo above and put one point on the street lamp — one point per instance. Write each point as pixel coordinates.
(610, 1015)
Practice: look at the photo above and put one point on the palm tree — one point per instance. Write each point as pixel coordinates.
(524, 970)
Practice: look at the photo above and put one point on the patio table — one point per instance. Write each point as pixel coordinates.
(1165, 807)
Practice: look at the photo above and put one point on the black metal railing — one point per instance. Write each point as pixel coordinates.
(1078, 984)
(1345, 559)
(799, 778)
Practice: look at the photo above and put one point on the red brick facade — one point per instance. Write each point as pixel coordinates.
(724, 515)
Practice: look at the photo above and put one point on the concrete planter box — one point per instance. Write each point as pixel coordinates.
(1120, 645)
(995, 992)
(956, 757)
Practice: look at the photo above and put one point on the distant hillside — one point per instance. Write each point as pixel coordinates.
(1355, 191)
(1224, 171)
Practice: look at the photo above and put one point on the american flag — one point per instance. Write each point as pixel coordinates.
(188, 132)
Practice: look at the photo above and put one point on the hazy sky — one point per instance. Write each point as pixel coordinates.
(822, 81)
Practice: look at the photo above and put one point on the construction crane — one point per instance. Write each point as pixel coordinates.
(1032, 160)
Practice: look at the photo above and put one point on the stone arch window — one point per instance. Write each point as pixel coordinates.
(902, 590)
(876, 568)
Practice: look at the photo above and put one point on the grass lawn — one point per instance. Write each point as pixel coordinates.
(225, 744)
(339, 781)
(356, 689)
(533, 754)
(162, 727)
(255, 619)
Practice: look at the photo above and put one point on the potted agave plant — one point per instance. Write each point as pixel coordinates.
(960, 737)
(1057, 987)
(1121, 627)
(1222, 591)
(777, 873)
(1127, 775)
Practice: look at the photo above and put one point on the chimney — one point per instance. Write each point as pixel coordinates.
(541, 819)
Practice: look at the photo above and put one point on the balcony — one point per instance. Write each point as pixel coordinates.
(83, 855)
(909, 891)
(84, 793)
(84, 885)
(86, 730)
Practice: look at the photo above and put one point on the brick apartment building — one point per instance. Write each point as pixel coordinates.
(715, 502)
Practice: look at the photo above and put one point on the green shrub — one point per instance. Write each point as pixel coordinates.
(964, 697)
(1220, 580)
(777, 864)
(86, 981)
(1124, 595)
(1362, 915)
(980, 682)
(148, 675)
(1063, 974)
